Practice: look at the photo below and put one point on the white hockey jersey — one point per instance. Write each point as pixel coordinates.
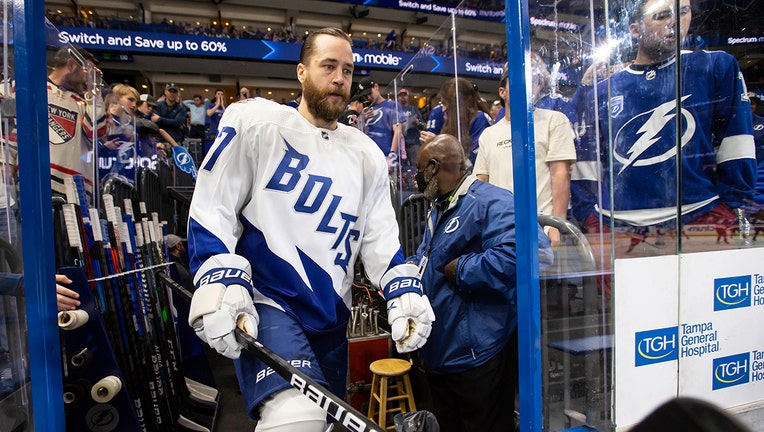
(72, 132)
(300, 203)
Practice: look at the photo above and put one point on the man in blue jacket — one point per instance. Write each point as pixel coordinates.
(467, 261)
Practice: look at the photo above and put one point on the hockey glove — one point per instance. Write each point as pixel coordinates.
(223, 301)
(408, 311)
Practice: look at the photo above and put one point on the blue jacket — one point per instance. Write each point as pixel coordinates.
(475, 317)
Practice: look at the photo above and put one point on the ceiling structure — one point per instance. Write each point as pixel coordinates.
(714, 20)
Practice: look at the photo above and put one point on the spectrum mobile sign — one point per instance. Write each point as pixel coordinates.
(265, 50)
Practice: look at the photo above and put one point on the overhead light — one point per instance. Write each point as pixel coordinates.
(144, 86)
(206, 90)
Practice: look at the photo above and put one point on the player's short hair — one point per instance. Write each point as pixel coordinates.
(309, 45)
(68, 52)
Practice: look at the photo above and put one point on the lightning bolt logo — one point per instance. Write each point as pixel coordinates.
(375, 118)
(650, 133)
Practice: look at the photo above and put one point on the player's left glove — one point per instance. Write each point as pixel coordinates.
(408, 310)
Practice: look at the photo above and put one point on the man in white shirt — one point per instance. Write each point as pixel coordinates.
(555, 155)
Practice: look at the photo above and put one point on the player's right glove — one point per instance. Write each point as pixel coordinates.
(223, 301)
(408, 311)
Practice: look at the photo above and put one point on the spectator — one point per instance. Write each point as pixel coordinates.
(471, 115)
(390, 39)
(757, 211)
(171, 114)
(215, 112)
(638, 104)
(294, 103)
(71, 91)
(555, 154)
(244, 93)
(117, 153)
(414, 120)
(545, 93)
(383, 120)
(497, 107)
(353, 116)
(468, 272)
(196, 107)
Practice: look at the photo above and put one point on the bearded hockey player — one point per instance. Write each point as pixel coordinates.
(286, 201)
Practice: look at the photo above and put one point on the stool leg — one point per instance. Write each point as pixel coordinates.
(382, 402)
(371, 412)
(409, 392)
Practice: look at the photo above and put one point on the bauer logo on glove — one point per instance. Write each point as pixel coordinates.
(408, 311)
(222, 302)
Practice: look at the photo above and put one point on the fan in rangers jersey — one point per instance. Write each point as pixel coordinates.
(638, 105)
(285, 202)
(72, 107)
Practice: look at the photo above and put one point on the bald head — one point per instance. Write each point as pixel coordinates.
(442, 160)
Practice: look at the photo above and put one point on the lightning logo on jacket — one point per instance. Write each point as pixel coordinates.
(643, 151)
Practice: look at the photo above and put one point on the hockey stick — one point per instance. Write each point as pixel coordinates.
(334, 406)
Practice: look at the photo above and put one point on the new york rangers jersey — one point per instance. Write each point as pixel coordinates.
(71, 130)
(301, 203)
(717, 151)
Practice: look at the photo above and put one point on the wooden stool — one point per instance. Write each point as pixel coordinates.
(384, 370)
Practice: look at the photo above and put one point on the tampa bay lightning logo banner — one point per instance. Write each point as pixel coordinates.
(183, 160)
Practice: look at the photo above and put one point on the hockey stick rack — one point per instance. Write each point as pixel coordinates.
(121, 358)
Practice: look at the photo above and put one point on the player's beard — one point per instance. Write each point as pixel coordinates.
(318, 102)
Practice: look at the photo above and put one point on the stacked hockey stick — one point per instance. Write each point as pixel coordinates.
(117, 256)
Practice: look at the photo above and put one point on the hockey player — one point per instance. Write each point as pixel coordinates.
(285, 202)
(717, 152)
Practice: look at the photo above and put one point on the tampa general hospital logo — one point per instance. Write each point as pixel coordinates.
(656, 346)
(732, 292)
(731, 370)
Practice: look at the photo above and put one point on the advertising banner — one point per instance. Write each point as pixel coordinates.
(264, 50)
(646, 335)
(688, 325)
(721, 305)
